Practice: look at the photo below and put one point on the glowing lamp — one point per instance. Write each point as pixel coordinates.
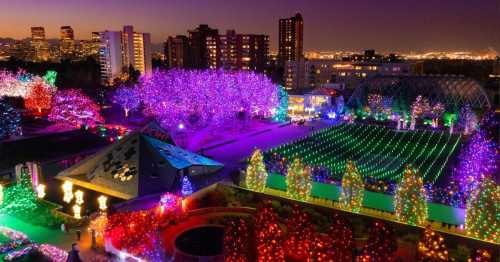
(40, 191)
(68, 191)
(77, 211)
(79, 197)
(102, 200)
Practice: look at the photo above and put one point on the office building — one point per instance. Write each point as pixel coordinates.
(136, 50)
(198, 39)
(291, 39)
(110, 56)
(177, 52)
(39, 44)
(67, 42)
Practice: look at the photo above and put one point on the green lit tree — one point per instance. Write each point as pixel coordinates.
(20, 198)
(281, 112)
(483, 211)
(256, 175)
(298, 181)
(410, 201)
(353, 188)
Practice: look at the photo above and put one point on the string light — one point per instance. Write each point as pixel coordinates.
(432, 247)
(1, 194)
(67, 187)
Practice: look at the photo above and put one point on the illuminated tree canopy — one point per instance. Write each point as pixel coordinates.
(127, 98)
(200, 99)
(10, 120)
(74, 108)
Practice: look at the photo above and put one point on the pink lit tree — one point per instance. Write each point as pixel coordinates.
(72, 107)
(199, 99)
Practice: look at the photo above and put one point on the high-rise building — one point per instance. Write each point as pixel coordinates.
(177, 52)
(67, 42)
(201, 58)
(136, 50)
(39, 44)
(243, 51)
(291, 39)
(110, 56)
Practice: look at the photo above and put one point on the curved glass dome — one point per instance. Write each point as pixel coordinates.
(452, 91)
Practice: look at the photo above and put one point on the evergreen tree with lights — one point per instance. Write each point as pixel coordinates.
(268, 235)
(20, 198)
(256, 175)
(353, 188)
(281, 112)
(432, 247)
(187, 187)
(482, 218)
(298, 181)
(410, 201)
(300, 235)
(381, 244)
(236, 241)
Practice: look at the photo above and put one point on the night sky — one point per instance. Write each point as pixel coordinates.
(386, 25)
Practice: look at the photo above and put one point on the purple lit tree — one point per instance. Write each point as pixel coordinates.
(478, 157)
(199, 99)
(72, 107)
(127, 98)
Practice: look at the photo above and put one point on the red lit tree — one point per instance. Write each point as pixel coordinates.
(432, 247)
(236, 241)
(482, 255)
(343, 241)
(268, 235)
(381, 244)
(322, 248)
(39, 98)
(300, 234)
(74, 108)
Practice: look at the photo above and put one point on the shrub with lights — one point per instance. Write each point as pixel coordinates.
(300, 237)
(482, 219)
(381, 244)
(10, 120)
(72, 107)
(20, 199)
(353, 188)
(477, 158)
(269, 236)
(410, 201)
(431, 246)
(256, 175)
(298, 181)
(236, 241)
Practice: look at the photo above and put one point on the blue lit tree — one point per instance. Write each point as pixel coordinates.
(187, 188)
(10, 120)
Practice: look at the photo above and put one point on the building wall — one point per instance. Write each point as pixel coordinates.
(110, 56)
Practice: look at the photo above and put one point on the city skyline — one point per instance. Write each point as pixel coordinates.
(394, 26)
